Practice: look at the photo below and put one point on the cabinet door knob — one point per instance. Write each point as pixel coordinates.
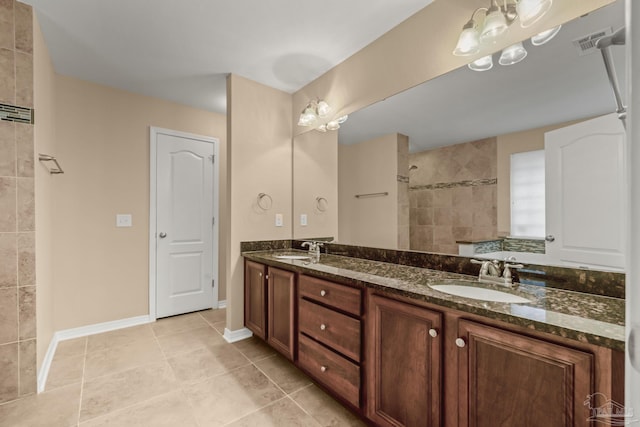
(323, 327)
(433, 332)
(260, 274)
(323, 293)
(266, 276)
(323, 368)
(460, 342)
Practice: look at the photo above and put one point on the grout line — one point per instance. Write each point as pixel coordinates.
(303, 409)
(84, 365)
(256, 410)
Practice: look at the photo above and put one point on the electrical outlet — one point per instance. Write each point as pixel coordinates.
(303, 219)
(123, 220)
(279, 220)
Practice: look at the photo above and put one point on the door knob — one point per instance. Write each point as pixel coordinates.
(460, 342)
(550, 238)
(163, 235)
(433, 332)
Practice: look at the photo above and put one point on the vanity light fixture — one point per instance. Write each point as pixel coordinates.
(497, 19)
(317, 113)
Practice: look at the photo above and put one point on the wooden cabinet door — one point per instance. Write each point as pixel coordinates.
(281, 296)
(507, 379)
(403, 372)
(255, 303)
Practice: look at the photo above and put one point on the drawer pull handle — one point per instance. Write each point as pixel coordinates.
(323, 327)
(323, 293)
(323, 368)
(433, 332)
(460, 342)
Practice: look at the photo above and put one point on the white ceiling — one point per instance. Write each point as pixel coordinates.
(552, 85)
(182, 50)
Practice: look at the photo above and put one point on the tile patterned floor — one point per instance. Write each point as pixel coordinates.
(174, 372)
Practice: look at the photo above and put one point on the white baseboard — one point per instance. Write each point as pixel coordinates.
(83, 331)
(237, 335)
(222, 304)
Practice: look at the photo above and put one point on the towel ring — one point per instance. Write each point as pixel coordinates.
(321, 204)
(264, 201)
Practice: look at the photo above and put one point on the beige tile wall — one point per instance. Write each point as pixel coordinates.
(17, 208)
(462, 211)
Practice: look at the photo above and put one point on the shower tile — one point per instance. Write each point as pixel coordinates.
(28, 382)
(26, 204)
(8, 315)
(24, 80)
(7, 204)
(6, 24)
(27, 312)
(26, 259)
(9, 257)
(7, 149)
(24, 148)
(7, 77)
(24, 27)
(9, 368)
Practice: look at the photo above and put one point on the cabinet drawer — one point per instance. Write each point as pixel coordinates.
(334, 329)
(330, 369)
(339, 296)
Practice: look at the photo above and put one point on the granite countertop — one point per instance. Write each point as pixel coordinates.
(579, 316)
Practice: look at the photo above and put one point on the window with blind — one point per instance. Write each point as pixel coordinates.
(527, 194)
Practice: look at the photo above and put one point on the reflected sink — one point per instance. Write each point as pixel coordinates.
(480, 293)
(291, 257)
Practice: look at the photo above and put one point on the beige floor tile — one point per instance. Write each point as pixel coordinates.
(118, 337)
(175, 324)
(122, 358)
(74, 347)
(169, 410)
(206, 362)
(185, 341)
(283, 413)
(230, 396)
(283, 373)
(56, 408)
(65, 370)
(112, 392)
(324, 408)
(219, 326)
(254, 348)
(214, 316)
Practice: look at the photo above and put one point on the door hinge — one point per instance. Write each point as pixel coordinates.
(213, 283)
(213, 220)
(212, 158)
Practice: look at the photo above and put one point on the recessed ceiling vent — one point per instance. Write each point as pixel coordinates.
(587, 44)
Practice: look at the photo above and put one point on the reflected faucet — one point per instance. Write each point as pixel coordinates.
(492, 272)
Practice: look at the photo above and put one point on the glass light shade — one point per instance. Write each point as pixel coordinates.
(530, 11)
(342, 119)
(482, 64)
(512, 54)
(323, 109)
(468, 42)
(322, 128)
(545, 36)
(494, 25)
(333, 125)
(308, 117)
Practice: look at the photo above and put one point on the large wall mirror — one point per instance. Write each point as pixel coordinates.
(432, 166)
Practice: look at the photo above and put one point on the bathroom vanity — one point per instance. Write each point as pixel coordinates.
(400, 353)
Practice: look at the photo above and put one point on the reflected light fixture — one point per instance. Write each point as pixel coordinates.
(317, 113)
(497, 19)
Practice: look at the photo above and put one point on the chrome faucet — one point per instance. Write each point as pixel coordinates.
(314, 248)
(492, 272)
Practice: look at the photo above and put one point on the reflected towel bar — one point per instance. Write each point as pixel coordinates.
(385, 193)
(47, 158)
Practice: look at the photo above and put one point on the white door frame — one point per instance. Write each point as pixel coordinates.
(153, 147)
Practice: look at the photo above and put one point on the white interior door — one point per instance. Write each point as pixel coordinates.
(586, 193)
(184, 229)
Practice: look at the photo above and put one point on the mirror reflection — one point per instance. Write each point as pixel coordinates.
(458, 163)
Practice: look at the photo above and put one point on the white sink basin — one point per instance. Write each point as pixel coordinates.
(480, 293)
(291, 257)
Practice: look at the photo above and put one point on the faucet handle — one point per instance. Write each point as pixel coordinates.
(507, 265)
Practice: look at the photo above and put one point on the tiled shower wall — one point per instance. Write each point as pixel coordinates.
(453, 195)
(17, 219)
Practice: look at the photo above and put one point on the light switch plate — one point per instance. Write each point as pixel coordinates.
(123, 220)
(279, 220)
(303, 219)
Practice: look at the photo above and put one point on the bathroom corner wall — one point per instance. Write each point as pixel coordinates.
(453, 195)
(404, 230)
(17, 207)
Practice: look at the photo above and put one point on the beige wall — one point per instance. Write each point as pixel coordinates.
(363, 168)
(315, 168)
(17, 216)
(102, 142)
(44, 135)
(508, 144)
(259, 131)
(415, 51)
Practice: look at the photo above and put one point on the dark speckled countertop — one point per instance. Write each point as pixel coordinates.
(579, 316)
